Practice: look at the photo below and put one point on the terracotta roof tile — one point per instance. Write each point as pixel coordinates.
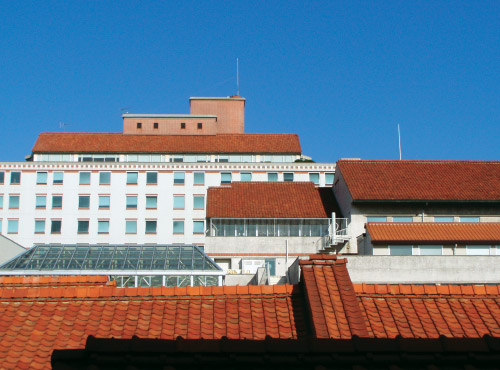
(58, 142)
(421, 180)
(434, 232)
(271, 199)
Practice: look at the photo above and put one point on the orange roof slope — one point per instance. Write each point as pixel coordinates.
(431, 232)
(422, 180)
(269, 200)
(428, 311)
(35, 321)
(54, 281)
(118, 143)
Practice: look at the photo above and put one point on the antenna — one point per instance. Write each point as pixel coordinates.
(63, 125)
(399, 136)
(237, 77)
(124, 110)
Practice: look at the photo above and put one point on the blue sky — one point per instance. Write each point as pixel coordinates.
(342, 75)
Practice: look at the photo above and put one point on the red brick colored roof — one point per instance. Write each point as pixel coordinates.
(271, 200)
(434, 232)
(422, 180)
(57, 142)
(53, 281)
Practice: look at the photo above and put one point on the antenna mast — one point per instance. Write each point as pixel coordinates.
(399, 136)
(237, 77)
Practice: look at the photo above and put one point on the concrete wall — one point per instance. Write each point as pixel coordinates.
(9, 249)
(424, 269)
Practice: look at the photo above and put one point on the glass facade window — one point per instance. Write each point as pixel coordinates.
(179, 178)
(131, 201)
(57, 178)
(272, 176)
(151, 202)
(444, 219)
(84, 201)
(402, 219)
(83, 226)
(12, 226)
(246, 176)
(151, 178)
(104, 178)
(270, 227)
(41, 177)
(223, 158)
(15, 178)
(199, 178)
(469, 219)
(288, 176)
(103, 227)
(104, 201)
(198, 227)
(39, 226)
(14, 201)
(132, 178)
(178, 227)
(329, 177)
(1, 201)
(131, 226)
(225, 178)
(179, 202)
(400, 250)
(2, 177)
(41, 201)
(431, 250)
(84, 178)
(55, 226)
(150, 227)
(199, 202)
(376, 219)
(314, 177)
(478, 250)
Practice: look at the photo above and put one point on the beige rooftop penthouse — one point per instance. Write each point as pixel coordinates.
(209, 116)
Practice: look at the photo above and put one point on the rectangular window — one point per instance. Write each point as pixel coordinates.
(376, 219)
(288, 176)
(151, 201)
(15, 178)
(41, 201)
(272, 176)
(150, 227)
(179, 178)
(199, 178)
(199, 202)
(84, 178)
(151, 178)
(131, 201)
(2, 177)
(155, 125)
(13, 201)
(178, 201)
(469, 219)
(402, 219)
(200, 125)
(444, 219)
(246, 176)
(55, 227)
(329, 177)
(102, 227)
(41, 177)
(1, 201)
(132, 178)
(83, 226)
(178, 227)
(223, 158)
(12, 226)
(39, 226)
(139, 124)
(183, 125)
(478, 250)
(84, 201)
(400, 250)
(104, 178)
(103, 201)
(431, 250)
(314, 177)
(57, 178)
(131, 226)
(225, 178)
(198, 227)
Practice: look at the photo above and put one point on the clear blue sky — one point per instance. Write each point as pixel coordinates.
(342, 75)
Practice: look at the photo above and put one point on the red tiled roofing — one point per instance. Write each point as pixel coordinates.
(271, 199)
(421, 180)
(434, 232)
(66, 142)
(54, 281)
(34, 321)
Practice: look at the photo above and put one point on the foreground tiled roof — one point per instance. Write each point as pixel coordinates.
(119, 143)
(434, 232)
(53, 281)
(271, 199)
(421, 180)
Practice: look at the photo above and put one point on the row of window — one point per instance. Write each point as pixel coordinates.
(104, 201)
(437, 250)
(103, 226)
(410, 219)
(199, 125)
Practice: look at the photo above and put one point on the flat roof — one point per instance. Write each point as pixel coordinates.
(138, 115)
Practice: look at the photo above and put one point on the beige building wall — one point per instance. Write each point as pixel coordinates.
(230, 112)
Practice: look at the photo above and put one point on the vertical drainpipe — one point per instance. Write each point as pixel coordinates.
(286, 262)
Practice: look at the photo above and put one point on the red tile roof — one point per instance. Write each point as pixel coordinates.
(421, 180)
(270, 199)
(53, 281)
(57, 142)
(434, 232)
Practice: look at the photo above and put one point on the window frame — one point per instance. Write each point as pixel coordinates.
(101, 182)
(132, 177)
(130, 222)
(178, 223)
(246, 174)
(179, 178)
(12, 221)
(400, 246)
(17, 179)
(150, 197)
(151, 173)
(102, 222)
(83, 197)
(313, 174)
(285, 174)
(151, 222)
(196, 181)
(271, 175)
(40, 196)
(198, 222)
(41, 177)
(127, 197)
(81, 179)
(12, 197)
(83, 223)
(104, 196)
(57, 181)
(226, 174)
(38, 222)
(177, 199)
(53, 223)
(198, 197)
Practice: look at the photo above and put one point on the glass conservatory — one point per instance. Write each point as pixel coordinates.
(129, 265)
